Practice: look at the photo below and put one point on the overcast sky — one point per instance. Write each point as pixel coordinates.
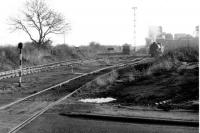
(108, 22)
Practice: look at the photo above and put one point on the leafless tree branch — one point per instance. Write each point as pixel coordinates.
(37, 16)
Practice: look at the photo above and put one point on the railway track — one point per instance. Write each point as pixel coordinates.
(27, 109)
(39, 68)
(47, 67)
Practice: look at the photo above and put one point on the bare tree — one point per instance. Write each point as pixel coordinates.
(38, 21)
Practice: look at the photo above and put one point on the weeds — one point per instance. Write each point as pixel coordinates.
(161, 66)
(105, 80)
(183, 51)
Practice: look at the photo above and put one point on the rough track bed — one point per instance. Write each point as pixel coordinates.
(12, 116)
(9, 90)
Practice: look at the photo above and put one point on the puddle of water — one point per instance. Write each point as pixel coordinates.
(97, 100)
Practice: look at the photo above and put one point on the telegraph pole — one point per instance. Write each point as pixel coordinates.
(134, 30)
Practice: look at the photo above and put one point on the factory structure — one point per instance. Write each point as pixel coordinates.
(156, 34)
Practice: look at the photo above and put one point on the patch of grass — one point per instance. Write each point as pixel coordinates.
(161, 67)
(186, 54)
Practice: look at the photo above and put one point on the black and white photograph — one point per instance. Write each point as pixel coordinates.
(99, 66)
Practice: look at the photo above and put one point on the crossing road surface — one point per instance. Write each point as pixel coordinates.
(55, 123)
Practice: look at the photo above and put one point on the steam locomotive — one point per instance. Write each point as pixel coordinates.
(156, 49)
